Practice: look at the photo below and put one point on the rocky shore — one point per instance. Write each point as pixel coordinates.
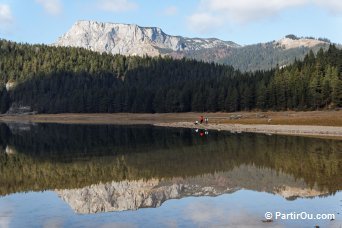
(324, 131)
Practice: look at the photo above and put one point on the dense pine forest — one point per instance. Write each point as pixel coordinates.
(57, 79)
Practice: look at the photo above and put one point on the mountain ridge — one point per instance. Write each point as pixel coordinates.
(111, 38)
(132, 39)
(151, 193)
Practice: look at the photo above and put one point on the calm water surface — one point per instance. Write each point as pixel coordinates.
(54, 175)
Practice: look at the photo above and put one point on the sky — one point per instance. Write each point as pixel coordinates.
(241, 21)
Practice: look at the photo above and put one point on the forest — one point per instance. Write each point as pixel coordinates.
(52, 79)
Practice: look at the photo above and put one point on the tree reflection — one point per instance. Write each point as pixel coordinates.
(56, 156)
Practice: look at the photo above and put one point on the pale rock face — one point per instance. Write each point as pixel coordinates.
(290, 192)
(288, 43)
(135, 194)
(130, 195)
(129, 39)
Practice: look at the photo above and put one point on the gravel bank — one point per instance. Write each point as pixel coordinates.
(325, 131)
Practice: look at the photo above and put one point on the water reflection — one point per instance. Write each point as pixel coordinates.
(97, 168)
(5, 216)
(132, 195)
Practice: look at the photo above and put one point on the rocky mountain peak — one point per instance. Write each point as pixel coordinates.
(131, 39)
(291, 41)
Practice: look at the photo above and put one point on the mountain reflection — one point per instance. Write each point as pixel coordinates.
(135, 194)
(111, 168)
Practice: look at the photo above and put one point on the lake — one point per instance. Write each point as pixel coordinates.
(65, 175)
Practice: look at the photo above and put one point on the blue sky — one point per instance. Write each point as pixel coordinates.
(241, 21)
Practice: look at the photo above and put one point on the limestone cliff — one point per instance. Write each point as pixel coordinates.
(130, 39)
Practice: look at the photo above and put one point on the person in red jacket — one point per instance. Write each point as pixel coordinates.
(201, 119)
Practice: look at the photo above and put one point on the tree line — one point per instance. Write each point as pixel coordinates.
(64, 79)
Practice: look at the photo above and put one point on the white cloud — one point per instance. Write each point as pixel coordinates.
(6, 212)
(247, 10)
(117, 5)
(5, 221)
(204, 211)
(244, 11)
(204, 22)
(53, 223)
(53, 7)
(6, 17)
(334, 6)
(170, 11)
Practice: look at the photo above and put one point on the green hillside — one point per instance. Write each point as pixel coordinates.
(263, 56)
(60, 80)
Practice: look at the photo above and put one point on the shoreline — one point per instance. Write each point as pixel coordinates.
(322, 124)
(296, 130)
